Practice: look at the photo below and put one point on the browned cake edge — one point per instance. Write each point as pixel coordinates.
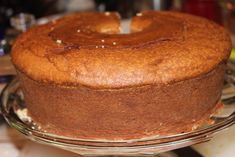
(127, 113)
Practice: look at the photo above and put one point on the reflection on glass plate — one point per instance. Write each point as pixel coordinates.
(15, 112)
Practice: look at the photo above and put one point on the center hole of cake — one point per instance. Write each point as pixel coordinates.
(125, 26)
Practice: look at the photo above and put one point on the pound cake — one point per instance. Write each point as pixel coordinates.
(82, 78)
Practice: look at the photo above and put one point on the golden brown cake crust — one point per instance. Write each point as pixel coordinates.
(131, 113)
(86, 49)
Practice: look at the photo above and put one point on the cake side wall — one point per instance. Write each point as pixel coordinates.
(124, 113)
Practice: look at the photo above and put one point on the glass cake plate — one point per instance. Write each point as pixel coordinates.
(14, 110)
